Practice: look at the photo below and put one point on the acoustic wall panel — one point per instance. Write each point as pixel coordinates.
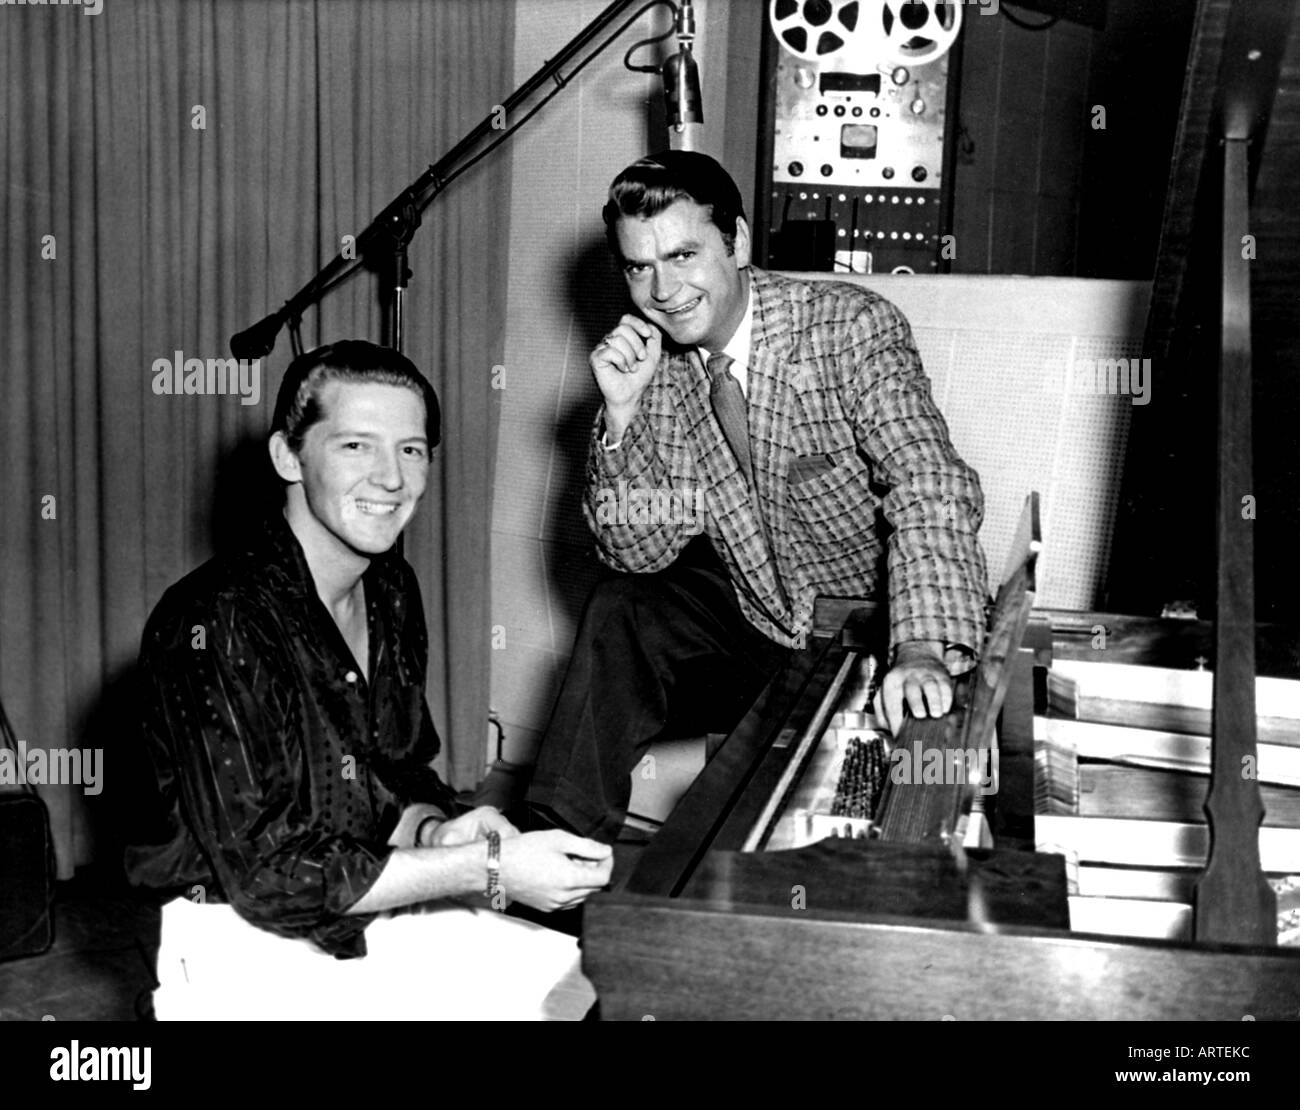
(1028, 373)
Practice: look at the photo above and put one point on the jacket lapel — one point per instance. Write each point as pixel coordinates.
(769, 406)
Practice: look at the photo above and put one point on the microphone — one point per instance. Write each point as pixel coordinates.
(682, 84)
(257, 341)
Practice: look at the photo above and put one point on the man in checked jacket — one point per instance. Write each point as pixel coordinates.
(800, 412)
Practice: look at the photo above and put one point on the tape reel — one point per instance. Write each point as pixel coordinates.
(920, 31)
(814, 30)
(895, 32)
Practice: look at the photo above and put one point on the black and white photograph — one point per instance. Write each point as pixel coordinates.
(650, 510)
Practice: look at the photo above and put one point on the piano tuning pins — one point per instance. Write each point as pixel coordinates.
(862, 778)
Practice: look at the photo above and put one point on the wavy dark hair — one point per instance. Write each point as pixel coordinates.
(298, 405)
(649, 186)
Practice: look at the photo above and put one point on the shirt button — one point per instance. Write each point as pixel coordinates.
(351, 676)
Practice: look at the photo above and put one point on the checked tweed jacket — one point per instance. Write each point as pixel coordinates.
(853, 469)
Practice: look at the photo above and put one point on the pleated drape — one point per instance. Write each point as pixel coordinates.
(173, 171)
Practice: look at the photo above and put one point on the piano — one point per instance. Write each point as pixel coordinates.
(1085, 836)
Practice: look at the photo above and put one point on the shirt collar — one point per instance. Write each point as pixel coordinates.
(284, 553)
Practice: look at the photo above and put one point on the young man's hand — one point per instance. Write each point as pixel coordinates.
(471, 826)
(623, 363)
(553, 870)
(408, 824)
(919, 679)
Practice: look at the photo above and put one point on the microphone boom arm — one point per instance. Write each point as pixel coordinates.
(389, 233)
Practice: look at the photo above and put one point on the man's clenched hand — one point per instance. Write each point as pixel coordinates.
(553, 870)
(623, 363)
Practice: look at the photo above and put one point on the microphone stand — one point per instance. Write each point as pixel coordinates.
(383, 244)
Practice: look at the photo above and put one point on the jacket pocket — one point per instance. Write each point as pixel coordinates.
(834, 516)
(804, 468)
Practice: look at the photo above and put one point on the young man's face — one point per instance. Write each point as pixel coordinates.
(681, 277)
(364, 465)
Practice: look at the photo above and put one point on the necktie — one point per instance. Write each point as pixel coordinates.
(729, 407)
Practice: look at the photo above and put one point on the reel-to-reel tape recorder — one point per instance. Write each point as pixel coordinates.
(856, 146)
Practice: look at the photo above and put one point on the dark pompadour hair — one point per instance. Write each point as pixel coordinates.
(298, 405)
(649, 186)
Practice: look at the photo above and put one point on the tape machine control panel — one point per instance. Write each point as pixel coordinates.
(859, 117)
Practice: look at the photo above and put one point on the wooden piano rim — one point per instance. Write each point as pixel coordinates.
(725, 909)
(657, 957)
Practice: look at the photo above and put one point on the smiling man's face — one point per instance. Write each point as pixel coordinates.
(681, 276)
(363, 467)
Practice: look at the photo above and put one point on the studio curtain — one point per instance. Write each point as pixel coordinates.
(173, 171)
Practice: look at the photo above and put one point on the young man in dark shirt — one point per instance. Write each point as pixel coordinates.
(285, 716)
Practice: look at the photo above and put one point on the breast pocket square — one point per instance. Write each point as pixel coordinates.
(804, 468)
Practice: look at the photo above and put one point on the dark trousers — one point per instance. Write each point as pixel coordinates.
(657, 656)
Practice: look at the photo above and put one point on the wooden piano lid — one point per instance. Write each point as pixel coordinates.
(1164, 531)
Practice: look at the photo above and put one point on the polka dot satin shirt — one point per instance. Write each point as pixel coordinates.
(281, 769)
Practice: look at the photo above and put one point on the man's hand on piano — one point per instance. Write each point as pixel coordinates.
(919, 680)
